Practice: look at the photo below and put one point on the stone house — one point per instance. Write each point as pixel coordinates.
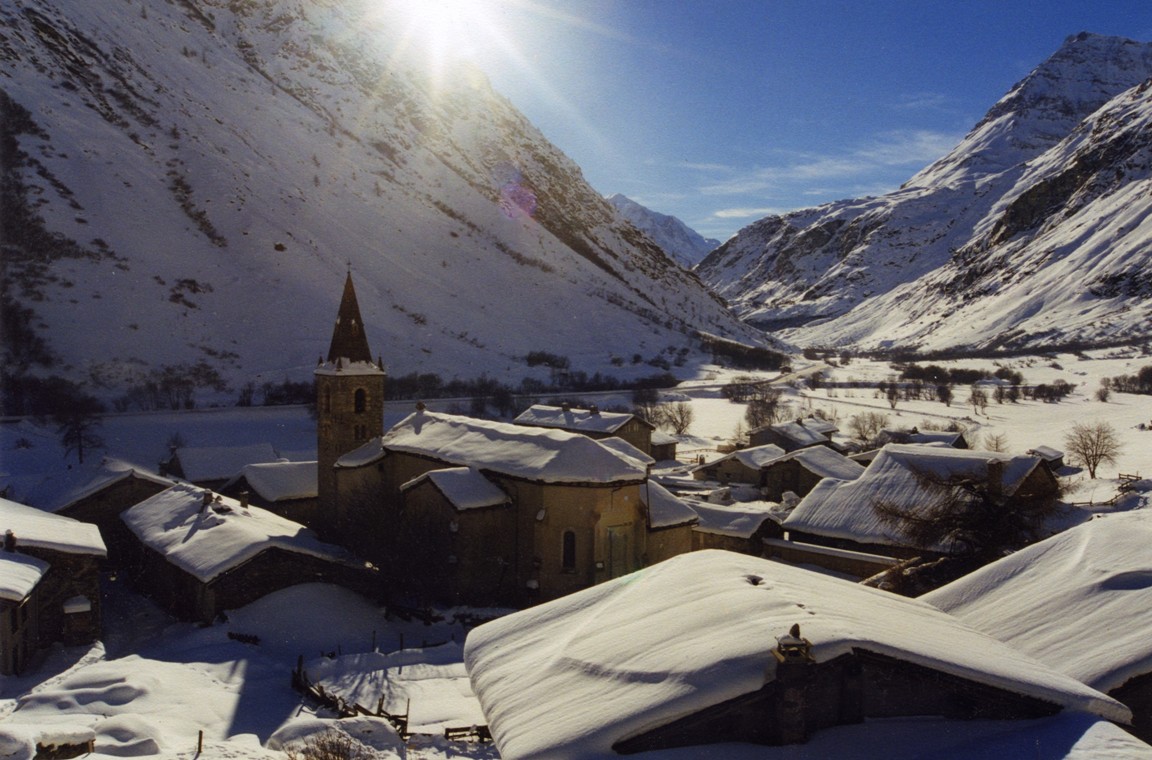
(801, 470)
(288, 489)
(909, 476)
(49, 583)
(1053, 458)
(116, 487)
(198, 553)
(664, 446)
(591, 422)
(722, 648)
(951, 438)
(738, 527)
(740, 466)
(671, 521)
(213, 466)
(797, 434)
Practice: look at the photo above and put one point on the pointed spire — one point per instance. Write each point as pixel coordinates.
(348, 338)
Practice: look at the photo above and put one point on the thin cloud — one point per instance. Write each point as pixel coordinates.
(925, 101)
(898, 149)
(745, 213)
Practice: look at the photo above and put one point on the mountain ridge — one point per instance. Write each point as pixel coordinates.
(194, 179)
(895, 271)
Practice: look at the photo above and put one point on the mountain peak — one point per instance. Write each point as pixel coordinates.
(682, 243)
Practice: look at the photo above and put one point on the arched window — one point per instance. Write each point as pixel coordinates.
(360, 400)
(568, 551)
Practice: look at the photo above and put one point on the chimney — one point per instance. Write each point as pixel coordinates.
(9, 541)
(207, 500)
(793, 655)
(243, 495)
(566, 407)
(420, 406)
(594, 410)
(996, 477)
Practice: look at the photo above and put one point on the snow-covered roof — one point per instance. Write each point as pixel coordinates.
(537, 454)
(660, 438)
(741, 519)
(753, 458)
(44, 530)
(945, 437)
(19, 574)
(825, 462)
(575, 420)
(463, 487)
(571, 677)
(665, 509)
(801, 433)
(1047, 453)
(620, 446)
(280, 481)
(221, 462)
(111, 471)
(845, 509)
(1080, 601)
(207, 542)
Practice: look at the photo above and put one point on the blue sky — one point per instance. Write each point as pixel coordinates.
(723, 111)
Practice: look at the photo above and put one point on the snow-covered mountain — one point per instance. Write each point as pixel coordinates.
(678, 240)
(190, 180)
(1035, 230)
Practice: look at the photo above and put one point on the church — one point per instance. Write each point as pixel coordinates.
(461, 510)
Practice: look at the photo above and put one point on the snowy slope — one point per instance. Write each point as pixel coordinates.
(1034, 230)
(190, 181)
(677, 239)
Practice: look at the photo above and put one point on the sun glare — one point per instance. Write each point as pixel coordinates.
(446, 30)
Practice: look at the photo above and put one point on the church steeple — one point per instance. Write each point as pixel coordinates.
(349, 405)
(349, 341)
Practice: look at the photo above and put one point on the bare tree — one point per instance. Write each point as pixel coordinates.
(971, 517)
(865, 426)
(978, 399)
(678, 416)
(1093, 444)
(997, 442)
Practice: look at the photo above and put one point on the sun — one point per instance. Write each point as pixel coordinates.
(448, 30)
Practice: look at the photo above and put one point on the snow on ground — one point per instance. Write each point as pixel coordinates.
(161, 682)
(155, 683)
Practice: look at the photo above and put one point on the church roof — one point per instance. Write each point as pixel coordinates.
(349, 341)
(537, 454)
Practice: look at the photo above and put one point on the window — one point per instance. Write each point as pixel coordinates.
(568, 551)
(360, 400)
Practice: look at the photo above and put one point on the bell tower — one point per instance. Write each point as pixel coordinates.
(349, 400)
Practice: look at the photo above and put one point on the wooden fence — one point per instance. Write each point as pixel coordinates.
(345, 709)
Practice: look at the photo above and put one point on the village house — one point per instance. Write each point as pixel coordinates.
(736, 527)
(213, 466)
(49, 583)
(671, 521)
(115, 487)
(720, 648)
(1053, 458)
(800, 471)
(909, 476)
(740, 466)
(952, 438)
(1080, 602)
(797, 434)
(198, 554)
(288, 489)
(591, 422)
(664, 446)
